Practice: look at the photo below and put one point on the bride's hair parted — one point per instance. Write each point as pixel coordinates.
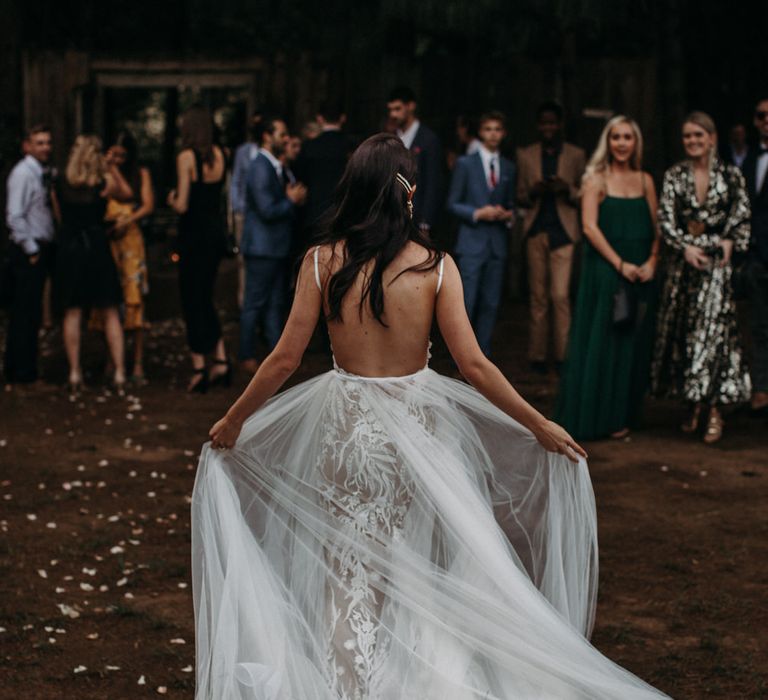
(598, 164)
(370, 217)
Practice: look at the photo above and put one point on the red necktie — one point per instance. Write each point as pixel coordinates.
(492, 178)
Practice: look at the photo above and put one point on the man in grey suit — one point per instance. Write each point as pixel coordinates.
(270, 214)
(482, 197)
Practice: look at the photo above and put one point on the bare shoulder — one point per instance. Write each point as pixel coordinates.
(593, 183)
(186, 158)
(650, 185)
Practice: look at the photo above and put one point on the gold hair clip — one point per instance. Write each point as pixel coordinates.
(409, 189)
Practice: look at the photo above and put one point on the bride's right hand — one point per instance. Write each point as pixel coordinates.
(553, 438)
(224, 433)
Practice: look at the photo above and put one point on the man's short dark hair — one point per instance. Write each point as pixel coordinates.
(550, 107)
(331, 112)
(265, 126)
(493, 116)
(36, 129)
(402, 93)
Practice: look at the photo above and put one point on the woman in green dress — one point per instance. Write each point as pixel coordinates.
(606, 372)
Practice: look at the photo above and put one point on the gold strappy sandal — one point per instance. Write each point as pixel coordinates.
(715, 426)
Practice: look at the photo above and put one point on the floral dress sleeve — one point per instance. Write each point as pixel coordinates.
(673, 230)
(737, 225)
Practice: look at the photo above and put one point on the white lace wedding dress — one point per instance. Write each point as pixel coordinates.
(395, 538)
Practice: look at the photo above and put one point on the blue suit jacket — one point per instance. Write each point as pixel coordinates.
(470, 191)
(269, 214)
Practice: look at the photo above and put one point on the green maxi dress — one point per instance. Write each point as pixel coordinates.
(606, 371)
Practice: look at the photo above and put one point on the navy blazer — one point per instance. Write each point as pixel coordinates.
(470, 191)
(429, 165)
(269, 214)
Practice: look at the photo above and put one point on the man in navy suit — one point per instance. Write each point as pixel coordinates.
(755, 169)
(270, 214)
(425, 146)
(482, 197)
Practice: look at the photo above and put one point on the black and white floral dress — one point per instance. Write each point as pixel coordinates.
(698, 355)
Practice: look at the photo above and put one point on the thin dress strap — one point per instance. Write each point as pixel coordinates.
(317, 268)
(440, 275)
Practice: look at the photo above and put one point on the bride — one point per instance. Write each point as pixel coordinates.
(381, 532)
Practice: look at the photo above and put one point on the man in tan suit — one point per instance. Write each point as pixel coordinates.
(549, 173)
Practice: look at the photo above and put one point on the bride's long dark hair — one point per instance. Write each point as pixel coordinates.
(370, 216)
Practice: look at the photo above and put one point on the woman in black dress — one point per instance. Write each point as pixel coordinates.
(86, 276)
(200, 170)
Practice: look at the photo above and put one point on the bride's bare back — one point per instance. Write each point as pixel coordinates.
(361, 344)
(365, 347)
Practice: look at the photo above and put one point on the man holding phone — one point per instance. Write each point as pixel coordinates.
(549, 173)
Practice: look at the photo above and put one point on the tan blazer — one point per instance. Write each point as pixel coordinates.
(570, 167)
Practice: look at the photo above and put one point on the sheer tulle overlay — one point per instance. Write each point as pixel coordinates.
(392, 539)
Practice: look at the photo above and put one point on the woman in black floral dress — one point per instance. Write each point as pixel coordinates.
(704, 217)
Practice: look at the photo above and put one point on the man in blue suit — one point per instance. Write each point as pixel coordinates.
(270, 213)
(482, 197)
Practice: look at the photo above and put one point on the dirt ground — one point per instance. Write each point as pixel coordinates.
(95, 590)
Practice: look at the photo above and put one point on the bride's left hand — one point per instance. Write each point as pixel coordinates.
(553, 438)
(224, 433)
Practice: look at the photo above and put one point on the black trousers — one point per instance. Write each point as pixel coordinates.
(197, 281)
(25, 312)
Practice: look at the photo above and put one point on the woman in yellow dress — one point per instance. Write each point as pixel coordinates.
(127, 241)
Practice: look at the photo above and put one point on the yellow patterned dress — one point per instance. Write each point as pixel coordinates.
(130, 259)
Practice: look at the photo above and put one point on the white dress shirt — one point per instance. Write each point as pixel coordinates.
(762, 167)
(276, 164)
(487, 157)
(28, 211)
(408, 136)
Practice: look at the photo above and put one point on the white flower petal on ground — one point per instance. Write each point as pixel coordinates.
(104, 463)
(162, 690)
(68, 610)
(80, 669)
(31, 516)
(116, 550)
(178, 640)
(42, 573)
(141, 681)
(86, 586)
(187, 669)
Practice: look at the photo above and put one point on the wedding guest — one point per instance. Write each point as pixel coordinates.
(425, 146)
(292, 152)
(321, 165)
(311, 130)
(466, 133)
(271, 204)
(755, 170)
(704, 216)
(482, 197)
(606, 372)
(200, 172)
(30, 221)
(244, 154)
(127, 242)
(737, 149)
(466, 142)
(86, 275)
(549, 172)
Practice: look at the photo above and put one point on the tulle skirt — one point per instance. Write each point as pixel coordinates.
(392, 539)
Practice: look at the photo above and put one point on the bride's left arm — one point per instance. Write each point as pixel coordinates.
(281, 363)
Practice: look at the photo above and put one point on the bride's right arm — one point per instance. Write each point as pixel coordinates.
(281, 363)
(482, 374)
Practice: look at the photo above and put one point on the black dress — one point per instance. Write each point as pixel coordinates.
(201, 247)
(86, 276)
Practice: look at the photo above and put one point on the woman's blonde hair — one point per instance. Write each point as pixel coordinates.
(601, 158)
(86, 166)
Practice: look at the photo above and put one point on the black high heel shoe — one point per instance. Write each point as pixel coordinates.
(201, 385)
(223, 379)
